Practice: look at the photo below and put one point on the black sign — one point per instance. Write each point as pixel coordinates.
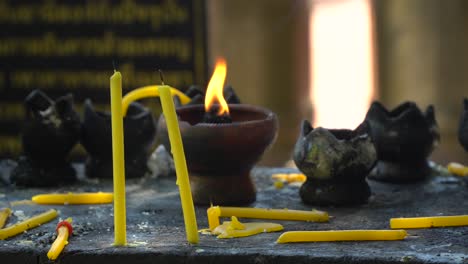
(69, 46)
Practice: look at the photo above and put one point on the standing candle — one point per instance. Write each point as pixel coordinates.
(120, 236)
(177, 150)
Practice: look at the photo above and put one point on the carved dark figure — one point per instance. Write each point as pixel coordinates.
(463, 127)
(336, 163)
(139, 133)
(403, 138)
(50, 131)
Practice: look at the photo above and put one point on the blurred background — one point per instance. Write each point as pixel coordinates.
(326, 60)
(321, 60)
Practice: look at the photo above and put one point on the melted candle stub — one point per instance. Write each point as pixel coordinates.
(213, 117)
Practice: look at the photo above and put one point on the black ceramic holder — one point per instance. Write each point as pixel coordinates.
(404, 138)
(336, 163)
(50, 131)
(463, 126)
(139, 133)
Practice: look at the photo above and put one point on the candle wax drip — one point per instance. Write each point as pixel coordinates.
(213, 117)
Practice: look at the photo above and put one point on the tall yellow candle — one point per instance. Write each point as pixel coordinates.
(32, 222)
(341, 235)
(430, 221)
(120, 236)
(177, 150)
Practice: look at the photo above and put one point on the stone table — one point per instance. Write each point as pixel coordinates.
(155, 227)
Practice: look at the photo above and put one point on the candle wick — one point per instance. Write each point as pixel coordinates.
(161, 75)
(114, 65)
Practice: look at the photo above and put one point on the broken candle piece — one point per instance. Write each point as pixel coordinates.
(4, 214)
(341, 235)
(234, 228)
(431, 221)
(29, 223)
(149, 91)
(214, 212)
(457, 169)
(289, 177)
(74, 198)
(64, 230)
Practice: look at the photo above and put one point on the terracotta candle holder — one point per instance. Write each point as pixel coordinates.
(139, 133)
(50, 131)
(404, 138)
(336, 163)
(220, 155)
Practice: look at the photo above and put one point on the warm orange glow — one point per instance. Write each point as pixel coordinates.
(341, 59)
(214, 92)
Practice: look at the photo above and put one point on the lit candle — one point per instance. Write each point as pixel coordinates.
(64, 230)
(234, 228)
(29, 223)
(73, 198)
(457, 169)
(214, 212)
(431, 221)
(342, 235)
(289, 177)
(177, 150)
(4, 214)
(149, 91)
(120, 236)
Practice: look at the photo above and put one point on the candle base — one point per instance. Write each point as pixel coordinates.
(387, 171)
(221, 189)
(335, 192)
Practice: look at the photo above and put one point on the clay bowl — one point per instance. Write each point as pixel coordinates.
(220, 156)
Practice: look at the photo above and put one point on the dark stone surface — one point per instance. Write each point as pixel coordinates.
(156, 233)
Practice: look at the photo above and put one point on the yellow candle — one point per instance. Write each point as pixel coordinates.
(457, 169)
(177, 149)
(61, 241)
(234, 228)
(73, 198)
(120, 236)
(4, 214)
(32, 222)
(149, 91)
(343, 235)
(214, 212)
(431, 221)
(289, 177)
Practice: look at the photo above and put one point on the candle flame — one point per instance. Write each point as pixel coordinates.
(214, 92)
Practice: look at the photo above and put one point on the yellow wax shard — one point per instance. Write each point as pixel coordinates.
(457, 169)
(343, 235)
(74, 198)
(289, 177)
(60, 242)
(431, 221)
(4, 214)
(32, 222)
(214, 212)
(177, 149)
(279, 184)
(234, 228)
(149, 91)
(118, 161)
